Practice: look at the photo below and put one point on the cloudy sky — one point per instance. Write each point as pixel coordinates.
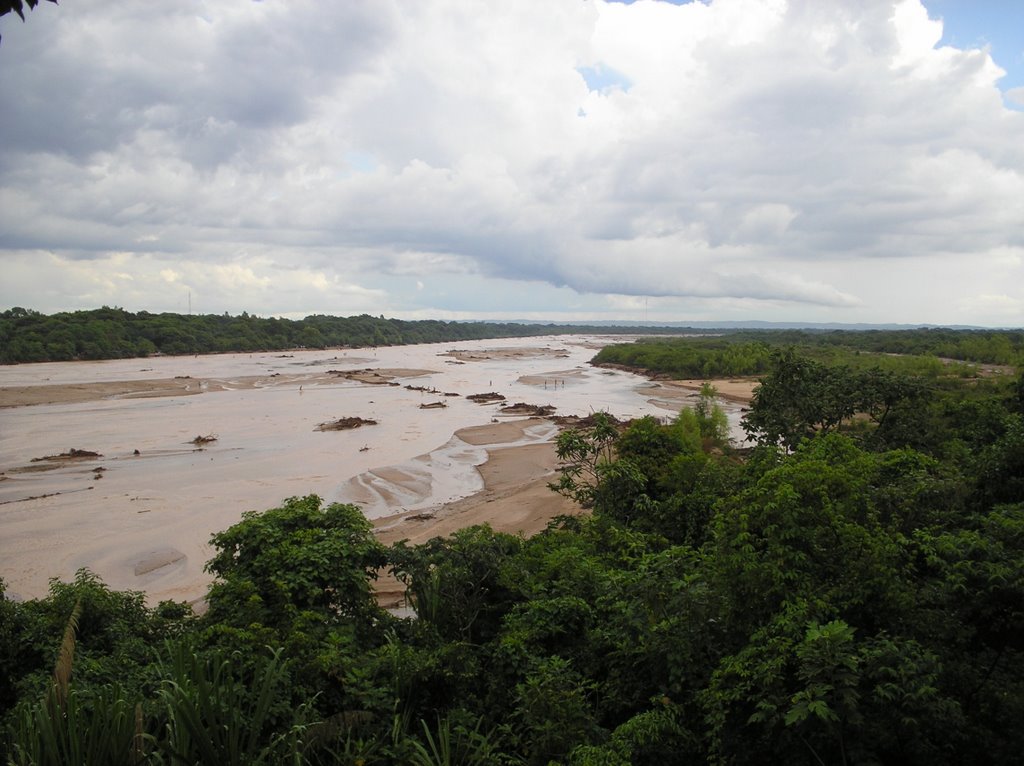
(792, 160)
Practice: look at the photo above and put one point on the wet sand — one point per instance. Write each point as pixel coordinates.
(731, 389)
(515, 497)
(140, 512)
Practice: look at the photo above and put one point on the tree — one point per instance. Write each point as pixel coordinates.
(456, 583)
(714, 425)
(796, 399)
(585, 453)
(302, 556)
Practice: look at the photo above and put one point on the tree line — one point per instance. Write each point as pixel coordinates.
(849, 591)
(113, 333)
(917, 353)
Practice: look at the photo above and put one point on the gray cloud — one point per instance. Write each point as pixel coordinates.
(765, 154)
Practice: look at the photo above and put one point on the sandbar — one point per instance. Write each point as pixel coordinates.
(491, 354)
(515, 499)
(185, 385)
(140, 513)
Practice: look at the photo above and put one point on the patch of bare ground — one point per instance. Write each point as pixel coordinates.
(186, 385)
(378, 377)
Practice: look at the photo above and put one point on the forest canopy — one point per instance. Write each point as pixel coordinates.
(113, 333)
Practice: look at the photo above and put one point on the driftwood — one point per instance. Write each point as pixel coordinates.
(487, 398)
(345, 424)
(522, 408)
(71, 454)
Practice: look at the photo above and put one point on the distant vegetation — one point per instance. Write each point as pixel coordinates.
(113, 333)
(923, 352)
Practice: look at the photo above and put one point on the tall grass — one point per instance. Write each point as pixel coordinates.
(73, 728)
(214, 717)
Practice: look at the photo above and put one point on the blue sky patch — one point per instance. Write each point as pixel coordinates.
(601, 78)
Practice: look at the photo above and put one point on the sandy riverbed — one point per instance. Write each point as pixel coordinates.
(140, 512)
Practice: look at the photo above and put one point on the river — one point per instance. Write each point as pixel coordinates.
(144, 521)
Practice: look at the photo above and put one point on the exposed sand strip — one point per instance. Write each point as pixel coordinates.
(515, 498)
(75, 393)
(490, 354)
(732, 389)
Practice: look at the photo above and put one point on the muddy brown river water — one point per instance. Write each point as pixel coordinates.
(141, 514)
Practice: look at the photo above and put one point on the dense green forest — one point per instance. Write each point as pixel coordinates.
(849, 591)
(113, 333)
(921, 353)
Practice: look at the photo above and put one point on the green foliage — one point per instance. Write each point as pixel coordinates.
(100, 726)
(584, 452)
(800, 398)
(456, 584)
(726, 353)
(690, 357)
(797, 399)
(72, 727)
(116, 638)
(552, 711)
(453, 745)
(113, 333)
(272, 566)
(711, 418)
(215, 716)
(655, 736)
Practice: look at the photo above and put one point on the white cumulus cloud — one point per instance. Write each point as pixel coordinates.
(782, 159)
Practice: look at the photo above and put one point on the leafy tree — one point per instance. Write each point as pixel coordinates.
(711, 418)
(553, 712)
(457, 585)
(272, 566)
(585, 452)
(798, 398)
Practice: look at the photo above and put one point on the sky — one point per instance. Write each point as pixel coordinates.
(562, 160)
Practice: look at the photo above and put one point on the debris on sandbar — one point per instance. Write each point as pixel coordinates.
(201, 440)
(522, 408)
(488, 398)
(71, 454)
(345, 424)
